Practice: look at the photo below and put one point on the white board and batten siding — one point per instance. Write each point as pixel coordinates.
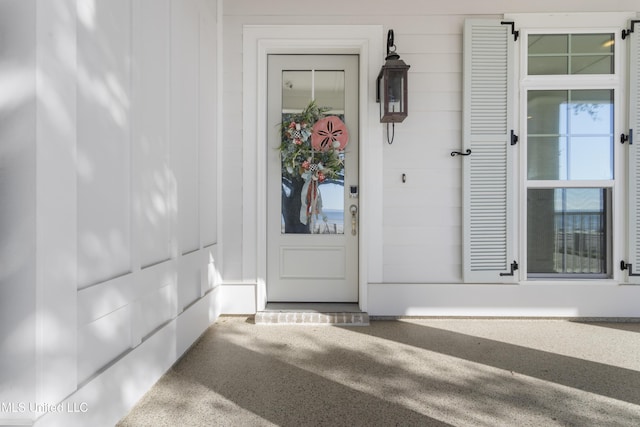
(147, 178)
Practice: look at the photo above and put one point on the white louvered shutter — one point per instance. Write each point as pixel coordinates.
(634, 156)
(487, 125)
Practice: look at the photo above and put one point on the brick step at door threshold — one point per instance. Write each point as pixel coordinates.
(336, 314)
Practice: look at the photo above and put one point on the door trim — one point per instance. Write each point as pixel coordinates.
(260, 41)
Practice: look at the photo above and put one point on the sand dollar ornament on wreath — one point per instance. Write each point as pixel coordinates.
(329, 133)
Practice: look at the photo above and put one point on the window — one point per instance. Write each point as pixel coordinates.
(569, 142)
(548, 190)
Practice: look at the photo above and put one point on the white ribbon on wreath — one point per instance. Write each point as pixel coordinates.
(310, 197)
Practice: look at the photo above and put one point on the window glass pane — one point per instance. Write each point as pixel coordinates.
(591, 112)
(548, 65)
(548, 43)
(545, 155)
(570, 135)
(329, 90)
(296, 90)
(547, 112)
(589, 158)
(312, 200)
(567, 232)
(592, 43)
(546, 144)
(592, 64)
(553, 54)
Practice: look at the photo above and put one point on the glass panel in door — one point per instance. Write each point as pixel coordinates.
(312, 197)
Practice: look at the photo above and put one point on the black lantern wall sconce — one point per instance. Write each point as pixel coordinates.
(391, 88)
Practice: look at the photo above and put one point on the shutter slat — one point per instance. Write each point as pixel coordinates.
(486, 204)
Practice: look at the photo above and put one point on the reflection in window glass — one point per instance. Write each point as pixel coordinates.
(567, 231)
(296, 90)
(547, 44)
(592, 43)
(305, 211)
(329, 90)
(570, 135)
(554, 54)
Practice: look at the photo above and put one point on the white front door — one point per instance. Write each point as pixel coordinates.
(312, 183)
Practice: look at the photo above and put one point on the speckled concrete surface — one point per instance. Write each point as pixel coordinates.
(434, 372)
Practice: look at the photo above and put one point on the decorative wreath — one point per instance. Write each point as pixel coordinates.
(312, 144)
(311, 150)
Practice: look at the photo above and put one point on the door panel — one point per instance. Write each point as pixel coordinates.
(312, 235)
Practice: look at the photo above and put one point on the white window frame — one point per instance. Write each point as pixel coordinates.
(591, 23)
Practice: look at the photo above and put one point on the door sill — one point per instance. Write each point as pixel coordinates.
(298, 313)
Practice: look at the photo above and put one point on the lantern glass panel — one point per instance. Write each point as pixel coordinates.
(395, 91)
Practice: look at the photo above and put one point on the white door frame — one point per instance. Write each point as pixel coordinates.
(260, 41)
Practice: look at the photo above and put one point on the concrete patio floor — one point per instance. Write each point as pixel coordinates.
(410, 372)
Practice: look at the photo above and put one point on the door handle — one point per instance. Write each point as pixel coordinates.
(354, 219)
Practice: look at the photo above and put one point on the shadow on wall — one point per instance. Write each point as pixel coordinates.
(103, 142)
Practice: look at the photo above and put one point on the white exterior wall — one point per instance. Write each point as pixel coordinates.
(109, 189)
(17, 201)
(421, 226)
